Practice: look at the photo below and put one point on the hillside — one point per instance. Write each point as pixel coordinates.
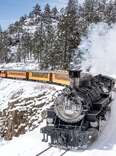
(50, 37)
(23, 39)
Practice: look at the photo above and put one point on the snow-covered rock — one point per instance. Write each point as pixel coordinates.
(21, 105)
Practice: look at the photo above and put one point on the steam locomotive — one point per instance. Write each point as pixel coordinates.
(75, 119)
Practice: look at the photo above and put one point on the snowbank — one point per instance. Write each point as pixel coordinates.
(29, 65)
(21, 105)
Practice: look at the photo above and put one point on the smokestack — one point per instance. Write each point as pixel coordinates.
(74, 78)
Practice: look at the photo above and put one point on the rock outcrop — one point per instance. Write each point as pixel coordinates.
(23, 114)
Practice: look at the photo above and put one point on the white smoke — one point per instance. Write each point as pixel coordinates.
(99, 48)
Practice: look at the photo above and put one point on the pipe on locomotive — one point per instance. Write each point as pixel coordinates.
(74, 76)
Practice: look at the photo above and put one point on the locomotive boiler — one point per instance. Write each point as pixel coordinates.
(75, 119)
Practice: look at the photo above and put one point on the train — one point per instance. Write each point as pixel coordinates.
(75, 119)
(79, 112)
(55, 77)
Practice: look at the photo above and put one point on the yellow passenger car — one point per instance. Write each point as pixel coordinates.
(17, 74)
(40, 76)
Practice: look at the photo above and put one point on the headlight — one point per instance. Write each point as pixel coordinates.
(94, 124)
(49, 120)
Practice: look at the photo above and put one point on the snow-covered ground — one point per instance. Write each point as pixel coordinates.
(29, 65)
(21, 105)
(30, 144)
(13, 90)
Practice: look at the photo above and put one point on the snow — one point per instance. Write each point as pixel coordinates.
(13, 49)
(99, 46)
(30, 29)
(26, 145)
(27, 21)
(30, 144)
(29, 65)
(15, 89)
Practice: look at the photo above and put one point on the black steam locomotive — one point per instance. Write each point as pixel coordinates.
(76, 118)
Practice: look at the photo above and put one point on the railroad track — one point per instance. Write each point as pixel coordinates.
(45, 150)
(64, 152)
(40, 153)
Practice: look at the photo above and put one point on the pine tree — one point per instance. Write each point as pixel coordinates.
(0, 29)
(37, 10)
(26, 45)
(31, 14)
(19, 54)
(89, 11)
(109, 12)
(54, 12)
(47, 11)
(22, 19)
(4, 50)
(69, 32)
(38, 45)
(114, 12)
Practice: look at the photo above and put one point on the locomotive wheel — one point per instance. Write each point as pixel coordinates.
(62, 140)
